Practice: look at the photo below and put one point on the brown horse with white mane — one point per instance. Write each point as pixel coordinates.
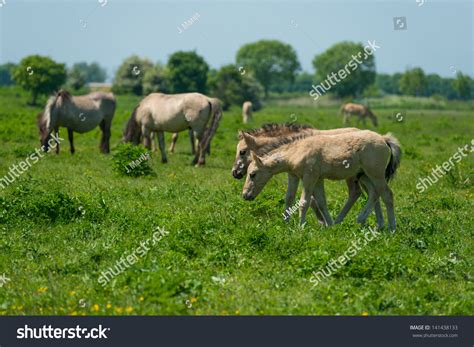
(78, 114)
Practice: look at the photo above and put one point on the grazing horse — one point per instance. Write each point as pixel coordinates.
(315, 158)
(361, 111)
(271, 136)
(247, 109)
(77, 113)
(174, 113)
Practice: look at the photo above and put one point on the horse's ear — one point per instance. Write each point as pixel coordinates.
(256, 159)
(250, 141)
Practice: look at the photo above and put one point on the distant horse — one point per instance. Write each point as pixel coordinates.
(247, 109)
(361, 111)
(174, 113)
(77, 113)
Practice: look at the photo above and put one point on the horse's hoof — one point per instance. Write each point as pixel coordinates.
(164, 161)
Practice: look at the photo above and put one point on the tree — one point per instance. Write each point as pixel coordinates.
(413, 82)
(156, 80)
(271, 62)
(462, 85)
(129, 76)
(232, 88)
(6, 71)
(389, 84)
(39, 75)
(187, 72)
(338, 60)
(303, 82)
(95, 73)
(76, 77)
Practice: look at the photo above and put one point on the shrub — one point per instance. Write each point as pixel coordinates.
(132, 161)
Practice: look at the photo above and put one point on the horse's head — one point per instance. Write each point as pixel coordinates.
(258, 174)
(242, 157)
(132, 131)
(373, 117)
(47, 120)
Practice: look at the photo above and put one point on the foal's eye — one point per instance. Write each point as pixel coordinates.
(242, 152)
(252, 175)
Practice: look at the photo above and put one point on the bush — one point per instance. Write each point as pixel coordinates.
(132, 161)
(155, 80)
(229, 86)
(129, 76)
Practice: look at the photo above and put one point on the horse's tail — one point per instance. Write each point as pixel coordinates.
(215, 115)
(395, 156)
(132, 130)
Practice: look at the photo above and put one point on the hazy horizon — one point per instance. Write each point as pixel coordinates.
(439, 35)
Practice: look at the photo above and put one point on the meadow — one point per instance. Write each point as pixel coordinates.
(70, 217)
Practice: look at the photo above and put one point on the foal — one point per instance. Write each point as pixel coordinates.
(316, 158)
(271, 136)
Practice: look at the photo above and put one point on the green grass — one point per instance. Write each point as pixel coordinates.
(69, 218)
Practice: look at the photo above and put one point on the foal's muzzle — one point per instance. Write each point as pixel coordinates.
(247, 196)
(237, 174)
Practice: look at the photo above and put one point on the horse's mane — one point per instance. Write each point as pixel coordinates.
(266, 149)
(132, 129)
(274, 130)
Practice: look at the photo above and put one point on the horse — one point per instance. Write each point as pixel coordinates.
(361, 111)
(78, 114)
(315, 158)
(271, 136)
(247, 109)
(173, 113)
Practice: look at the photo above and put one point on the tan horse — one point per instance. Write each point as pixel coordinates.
(174, 113)
(361, 111)
(271, 136)
(316, 158)
(78, 114)
(247, 109)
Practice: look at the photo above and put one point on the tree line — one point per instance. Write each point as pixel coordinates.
(260, 68)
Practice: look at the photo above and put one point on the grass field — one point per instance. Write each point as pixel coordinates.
(69, 218)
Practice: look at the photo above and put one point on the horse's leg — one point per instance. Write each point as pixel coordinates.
(70, 134)
(57, 140)
(317, 210)
(105, 141)
(290, 195)
(174, 138)
(161, 142)
(200, 157)
(365, 182)
(305, 200)
(147, 136)
(321, 200)
(354, 194)
(385, 192)
(346, 118)
(372, 198)
(193, 142)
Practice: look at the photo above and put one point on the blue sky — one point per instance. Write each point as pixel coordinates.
(438, 38)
